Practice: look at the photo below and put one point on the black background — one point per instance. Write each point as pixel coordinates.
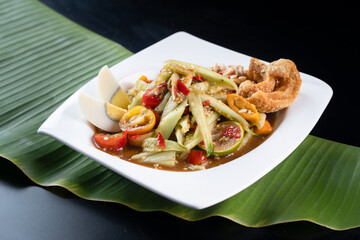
(321, 39)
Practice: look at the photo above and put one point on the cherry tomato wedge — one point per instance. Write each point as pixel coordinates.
(241, 106)
(197, 157)
(153, 97)
(111, 141)
(138, 120)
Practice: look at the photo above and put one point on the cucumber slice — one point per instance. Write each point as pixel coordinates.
(150, 145)
(197, 110)
(168, 123)
(224, 145)
(137, 99)
(167, 159)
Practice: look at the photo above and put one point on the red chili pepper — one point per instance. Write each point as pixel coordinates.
(122, 141)
(182, 88)
(231, 132)
(160, 140)
(198, 77)
(206, 103)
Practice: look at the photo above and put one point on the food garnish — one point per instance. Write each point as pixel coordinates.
(191, 117)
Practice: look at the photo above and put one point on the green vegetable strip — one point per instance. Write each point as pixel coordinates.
(199, 88)
(150, 145)
(163, 76)
(181, 69)
(169, 107)
(137, 99)
(139, 86)
(226, 111)
(196, 138)
(197, 110)
(160, 108)
(168, 123)
(206, 73)
(141, 155)
(161, 158)
(179, 136)
(184, 123)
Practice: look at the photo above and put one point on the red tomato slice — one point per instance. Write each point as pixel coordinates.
(197, 157)
(111, 141)
(153, 97)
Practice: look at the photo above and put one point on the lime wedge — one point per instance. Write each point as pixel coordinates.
(227, 137)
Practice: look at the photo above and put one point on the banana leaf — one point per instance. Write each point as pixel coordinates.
(44, 58)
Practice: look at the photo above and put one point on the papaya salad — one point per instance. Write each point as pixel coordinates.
(190, 117)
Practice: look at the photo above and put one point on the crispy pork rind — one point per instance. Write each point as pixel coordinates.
(271, 87)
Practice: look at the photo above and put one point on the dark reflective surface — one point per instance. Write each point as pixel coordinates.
(322, 43)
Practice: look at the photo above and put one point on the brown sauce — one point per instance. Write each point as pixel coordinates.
(128, 151)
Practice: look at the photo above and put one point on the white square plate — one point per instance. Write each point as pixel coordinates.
(198, 189)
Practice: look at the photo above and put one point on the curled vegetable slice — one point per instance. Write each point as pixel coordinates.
(241, 106)
(138, 120)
